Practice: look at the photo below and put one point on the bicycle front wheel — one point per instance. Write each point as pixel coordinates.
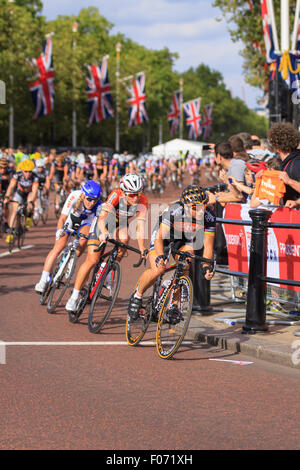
(13, 233)
(61, 284)
(45, 210)
(104, 298)
(21, 228)
(136, 329)
(170, 332)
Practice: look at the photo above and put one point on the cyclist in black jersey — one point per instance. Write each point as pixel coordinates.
(59, 175)
(189, 224)
(5, 176)
(24, 184)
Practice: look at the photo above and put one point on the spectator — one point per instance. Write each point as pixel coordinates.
(273, 164)
(285, 140)
(247, 140)
(230, 166)
(238, 148)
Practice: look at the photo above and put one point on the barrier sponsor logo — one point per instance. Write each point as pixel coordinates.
(289, 250)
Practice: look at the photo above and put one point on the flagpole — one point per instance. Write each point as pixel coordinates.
(118, 51)
(181, 108)
(11, 108)
(296, 25)
(284, 7)
(273, 23)
(74, 117)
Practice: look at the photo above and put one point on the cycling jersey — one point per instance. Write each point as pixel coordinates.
(116, 204)
(41, 175)
(183, 227)
(25, 185)
(87, 215)
(59, 170)
(88, 171)
(119, 213)
(5, 178)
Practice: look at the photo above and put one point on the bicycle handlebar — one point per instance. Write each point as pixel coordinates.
(186, 254)
(121, 245)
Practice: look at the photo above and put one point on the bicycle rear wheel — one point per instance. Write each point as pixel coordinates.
(13, 233)
(169, 335)
(44, 296)
(45, 209)
(61, 284)
(82, 299)
(103, 300)
(136, 329)
(21, 229)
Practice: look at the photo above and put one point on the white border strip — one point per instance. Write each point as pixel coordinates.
(16, 250)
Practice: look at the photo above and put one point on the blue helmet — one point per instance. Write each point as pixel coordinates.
(91, 189)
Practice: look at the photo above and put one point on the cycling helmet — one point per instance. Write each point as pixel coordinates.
(255, 165)
(92, 189)
(194, 194)
(131, 183)
(26, 165)
(39, 163)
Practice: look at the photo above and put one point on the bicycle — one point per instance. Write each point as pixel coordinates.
(18, 227)
(100, 310)
(63, 269)
(2, 209)
(61, 200)
(43, 207)
(171, 329)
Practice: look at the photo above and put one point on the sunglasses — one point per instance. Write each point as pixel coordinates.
(91, 199)
(133, 194)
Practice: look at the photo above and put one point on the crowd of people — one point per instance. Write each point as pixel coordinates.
(105, 192)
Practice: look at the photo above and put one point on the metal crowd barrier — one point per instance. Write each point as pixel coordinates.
(255, 319)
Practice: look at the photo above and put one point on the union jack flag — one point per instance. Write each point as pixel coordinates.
(98, 93)
(137, 109)
(175, 112)
(42, 90)
(193, 117)
(207, 121)
(268, 32)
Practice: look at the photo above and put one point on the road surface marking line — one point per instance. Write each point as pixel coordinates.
(75, 343)
(16, 250)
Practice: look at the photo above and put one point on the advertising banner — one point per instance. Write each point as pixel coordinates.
(283, 249)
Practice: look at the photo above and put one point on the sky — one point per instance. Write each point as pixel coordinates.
(188, 27)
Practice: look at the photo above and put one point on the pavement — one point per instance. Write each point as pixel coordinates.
(279, 344)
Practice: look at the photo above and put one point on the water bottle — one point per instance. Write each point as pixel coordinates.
(229, 322)
(102, 266)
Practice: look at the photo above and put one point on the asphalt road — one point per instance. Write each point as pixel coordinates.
(108, 396)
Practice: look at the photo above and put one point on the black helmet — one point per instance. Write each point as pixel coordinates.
(194, 194)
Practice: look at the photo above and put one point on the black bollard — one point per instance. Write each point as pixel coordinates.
(256, 297)
(201, 302)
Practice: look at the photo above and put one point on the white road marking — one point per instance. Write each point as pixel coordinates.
(16, 250)
(240, 363)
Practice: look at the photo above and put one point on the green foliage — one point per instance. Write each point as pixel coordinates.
(22, 32)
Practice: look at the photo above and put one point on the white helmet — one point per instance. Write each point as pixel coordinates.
(39, 163)
(131, 183)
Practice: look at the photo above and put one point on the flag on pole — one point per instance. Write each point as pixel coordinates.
(207, 121)
(193, 117)
(175, 112)
(268, 32)
(42, 89)
(137, 100)
(98, 93)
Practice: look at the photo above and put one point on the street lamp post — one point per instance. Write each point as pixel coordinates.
(181, 108)
(11, 108)
(118, 51)
(74, 115)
